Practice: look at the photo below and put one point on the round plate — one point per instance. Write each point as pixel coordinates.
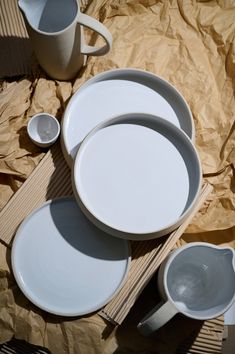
(136, 176)
(116, 92)
(64, 264)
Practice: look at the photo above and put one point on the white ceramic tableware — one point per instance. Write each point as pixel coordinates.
(55, 28)
(63, 263)
(43, 129)
(197, 280)
(117, 92)
(136, 176)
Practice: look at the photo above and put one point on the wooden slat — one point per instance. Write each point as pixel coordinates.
(207, 341)
(15, 50)
(50, 179)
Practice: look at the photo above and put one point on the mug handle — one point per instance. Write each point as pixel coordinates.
(157, 317)
(98, 27)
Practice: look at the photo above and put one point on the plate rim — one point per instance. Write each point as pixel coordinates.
(20, 284)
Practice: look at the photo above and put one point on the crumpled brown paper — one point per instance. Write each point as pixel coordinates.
(189, 43)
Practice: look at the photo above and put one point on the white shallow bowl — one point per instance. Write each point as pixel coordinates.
(137, 176)
(43, 129)
(116, 92)
(64, 264)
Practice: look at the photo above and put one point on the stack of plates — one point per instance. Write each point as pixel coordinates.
(128, 137)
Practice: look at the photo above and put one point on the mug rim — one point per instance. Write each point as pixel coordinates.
(165, 273)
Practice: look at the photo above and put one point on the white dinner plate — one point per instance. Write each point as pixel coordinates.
(64, 264)
(136, 176)
(116, 92)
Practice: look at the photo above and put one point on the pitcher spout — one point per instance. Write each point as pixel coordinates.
(32, 10)
(24, 6)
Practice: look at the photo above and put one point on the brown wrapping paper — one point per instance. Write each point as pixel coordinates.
(189, 43)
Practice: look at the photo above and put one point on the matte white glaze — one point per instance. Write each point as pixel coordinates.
(136, 176)
(63, 263)
(43, 129)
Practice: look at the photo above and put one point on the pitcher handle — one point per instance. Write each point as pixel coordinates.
(98, 27)
(157, 317)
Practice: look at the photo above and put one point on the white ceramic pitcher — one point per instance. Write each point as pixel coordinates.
(56, 33)
(197, 280)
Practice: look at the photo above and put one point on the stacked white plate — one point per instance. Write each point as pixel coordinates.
(136, 176)
(128, 136)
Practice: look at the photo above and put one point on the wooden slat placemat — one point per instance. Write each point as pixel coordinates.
(207, 341)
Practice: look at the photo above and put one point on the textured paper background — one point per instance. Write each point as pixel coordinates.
(189, 43)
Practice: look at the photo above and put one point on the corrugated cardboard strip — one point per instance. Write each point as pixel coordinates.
(16, 346)
(52, 178)
(208, 340)
(16, 56)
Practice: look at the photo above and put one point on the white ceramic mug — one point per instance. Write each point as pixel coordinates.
(197, 280)
(56, 33)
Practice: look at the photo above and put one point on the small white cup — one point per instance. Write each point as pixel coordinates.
(43, 129)
(197, 280)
